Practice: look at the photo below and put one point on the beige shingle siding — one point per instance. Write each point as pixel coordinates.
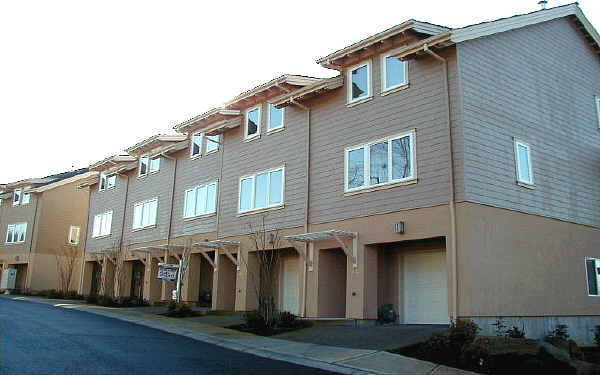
(536, 83)
(102, 201)
(18, 214)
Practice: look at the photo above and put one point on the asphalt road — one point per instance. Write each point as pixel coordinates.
(41, 339)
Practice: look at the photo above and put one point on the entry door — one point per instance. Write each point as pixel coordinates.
(291, 285)
(425, 289)
(137, 281)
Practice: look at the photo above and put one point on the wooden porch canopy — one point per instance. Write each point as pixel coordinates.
(224, 245)
(339, 236)
(158, 251)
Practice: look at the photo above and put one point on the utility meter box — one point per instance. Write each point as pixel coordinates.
(9, 279)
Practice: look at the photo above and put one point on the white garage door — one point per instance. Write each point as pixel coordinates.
(425, 300)
(291, 285)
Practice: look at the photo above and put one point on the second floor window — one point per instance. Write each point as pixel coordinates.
(15, 233)
(155, 164)
(17, 197)
(381, 162)
(275, 118)
(144, 213)
(201, 200)
(25, 198)
(252, 123)
(143, 167)
(74, 235)
(107, 182)
(102, 224)
(523, 163)
(261, 190)
(592, 267)
(393, 73)
(360, 82)
(196, 144)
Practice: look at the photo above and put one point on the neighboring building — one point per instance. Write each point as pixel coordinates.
(451, 173)
(39, 217)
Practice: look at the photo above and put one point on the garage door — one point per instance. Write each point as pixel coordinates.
(291, 286)
(425, 300)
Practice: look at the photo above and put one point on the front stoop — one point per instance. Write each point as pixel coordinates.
(330, 358)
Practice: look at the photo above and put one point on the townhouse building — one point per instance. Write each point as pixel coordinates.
(451, 173)
(39, 217)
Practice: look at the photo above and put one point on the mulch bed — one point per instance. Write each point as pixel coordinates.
(271, 331)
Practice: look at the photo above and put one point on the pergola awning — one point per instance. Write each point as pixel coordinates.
(160, 249)
(224, 245)
(340, 236)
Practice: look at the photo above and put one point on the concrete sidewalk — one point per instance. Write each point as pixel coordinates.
(331, 358)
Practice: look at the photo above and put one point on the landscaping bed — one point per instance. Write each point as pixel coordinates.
(281, 323)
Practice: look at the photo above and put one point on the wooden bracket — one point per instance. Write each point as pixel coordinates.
(351, 253)
(231, 258)
(209, 260)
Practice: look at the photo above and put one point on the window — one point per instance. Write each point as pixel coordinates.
(102, 185)
(523, 163)
(261, 190)
(196, 144)
(393, 73)
(275, 118)
(102, 224)
(143, 168)
(212, 143)
(592, 267)
(598, 109)
(385, 161)
(252, 123)
(74, 235)
(17, 197)
(111, 181)
(360, 82)
(25, 198)
(201, 200)
(144, 213)
(16, 233)
(155, 164)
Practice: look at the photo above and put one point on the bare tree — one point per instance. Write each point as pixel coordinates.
(66, 259)
(184, 265)
(265, 243)
(118, 253)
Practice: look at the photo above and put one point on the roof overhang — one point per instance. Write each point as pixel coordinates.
(29, 181)
(207, 118)
(79, 177)
(154, 142)
(111, 161)
(336, 60)
(309, 92)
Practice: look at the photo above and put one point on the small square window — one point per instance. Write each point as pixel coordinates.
(196, 144)
(17, 197)
(212, 143)
(393, 73)
(592, 267)
(143, 169)
(26, 198)
(359, 85)
(111, 181)
(155, 164)
(252, 123)
(276, 116)
(74, 235)
(523, 163)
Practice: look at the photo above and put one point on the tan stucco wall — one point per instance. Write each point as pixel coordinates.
(516, 264)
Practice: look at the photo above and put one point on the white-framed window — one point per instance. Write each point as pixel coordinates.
(16, 233)
(276, 118)
(384, 161)
(74, 235)
(196, 144)
(598, 109)
(394, 72)
(143, 167)
(102, 224)
(107, 182)
(17, 197)
(26, 198)
(523, 163)
(252, 128)
(592, 268)
(102, 185)
(144, 213)
(154, 164)
(200, 200)
(359, 82)
(212, 143)
(262, 190)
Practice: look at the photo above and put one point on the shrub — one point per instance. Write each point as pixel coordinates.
(437, 348)
(516, 333)
(179, 310)
(286, 319)
(461, 332)
(597, 335)
(386, 314)
(255, 320)
(91, 299)
(500, 327)
(561, 331)
(72, 294)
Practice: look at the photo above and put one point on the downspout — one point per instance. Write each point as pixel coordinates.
(451, 198)
(84, 244)
(172, 199)
(34, 234)
(124, 213)
(217, 219)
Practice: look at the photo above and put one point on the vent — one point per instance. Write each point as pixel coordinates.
(399, 227)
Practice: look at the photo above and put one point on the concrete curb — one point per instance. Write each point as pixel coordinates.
(349, 361)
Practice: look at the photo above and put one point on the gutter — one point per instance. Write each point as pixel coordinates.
(451, 198)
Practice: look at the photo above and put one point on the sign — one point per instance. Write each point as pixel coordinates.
(174, 294)
(167, 273)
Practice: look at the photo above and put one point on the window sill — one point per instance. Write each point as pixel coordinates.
(204, 216)
(261, 210)
(526, 185)
(360, 101)
(211, 152)
(14, 243)
(101, 237)
(144, 228)
(254, 137)
(154, 172)
(106, 189)
(142, 177)
(395, 89)
(381, 187)
(276, 130)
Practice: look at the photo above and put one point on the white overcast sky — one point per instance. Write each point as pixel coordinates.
(83, 80)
